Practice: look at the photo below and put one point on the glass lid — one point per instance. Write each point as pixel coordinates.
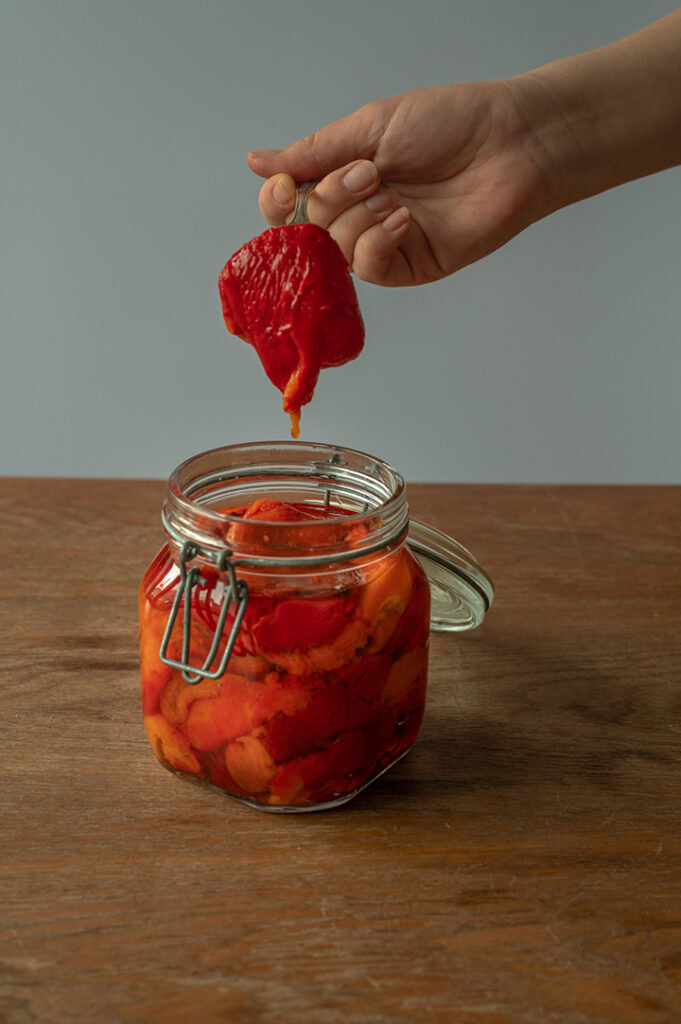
(461, 592)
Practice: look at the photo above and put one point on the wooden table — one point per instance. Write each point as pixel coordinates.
(520, 865)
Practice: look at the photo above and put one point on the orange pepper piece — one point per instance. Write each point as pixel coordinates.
(170, 746)
(404, 673)
(383, 599)
(154, 682)
(179, 696)
(250, 764)
(239, 708)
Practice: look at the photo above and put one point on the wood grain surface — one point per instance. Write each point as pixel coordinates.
(522, 864)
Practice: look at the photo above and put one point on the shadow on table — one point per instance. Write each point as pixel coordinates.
(533, 713)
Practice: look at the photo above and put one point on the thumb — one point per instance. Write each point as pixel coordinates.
(352, 138)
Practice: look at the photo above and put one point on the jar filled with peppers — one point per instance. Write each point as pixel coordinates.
(284, 624)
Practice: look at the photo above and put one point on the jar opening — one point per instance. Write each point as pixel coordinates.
(366, 492)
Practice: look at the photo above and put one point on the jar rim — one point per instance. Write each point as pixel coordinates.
(344, 477)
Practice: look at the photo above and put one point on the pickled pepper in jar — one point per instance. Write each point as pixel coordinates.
(322, 691)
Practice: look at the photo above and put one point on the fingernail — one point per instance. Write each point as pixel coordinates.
(396, 220)
(281, 194)
(360, 177)
(379, 201)
(258, 154)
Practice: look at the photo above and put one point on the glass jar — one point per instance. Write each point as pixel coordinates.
(284, 624)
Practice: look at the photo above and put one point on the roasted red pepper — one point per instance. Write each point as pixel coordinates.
(322, 692)
(288, 293)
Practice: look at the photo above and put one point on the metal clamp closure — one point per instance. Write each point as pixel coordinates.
(236, 591)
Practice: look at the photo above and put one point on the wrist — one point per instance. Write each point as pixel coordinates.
(603, 118)
(561, 137)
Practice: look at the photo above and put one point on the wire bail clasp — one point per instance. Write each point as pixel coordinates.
(235, 591)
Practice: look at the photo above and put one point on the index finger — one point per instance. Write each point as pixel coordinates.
(333, 146)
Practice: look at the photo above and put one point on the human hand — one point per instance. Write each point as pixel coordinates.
(455, 171)
(416, 186)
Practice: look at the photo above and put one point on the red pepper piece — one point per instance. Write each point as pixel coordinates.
(256, 608)
(334, 529)
(272, 510)
(388, 742)
(331, 711)
(153, 684)
(413, 629)
(269, 510)
(298, 625)
(216, 771)
(412, 701)
(158, 584)
(325, 657)
(288, 293)
(299, 778)
(366, 677)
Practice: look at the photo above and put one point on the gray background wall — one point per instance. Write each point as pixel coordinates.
(124, 131)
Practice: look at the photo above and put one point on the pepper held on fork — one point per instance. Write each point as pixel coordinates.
(288, 292)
